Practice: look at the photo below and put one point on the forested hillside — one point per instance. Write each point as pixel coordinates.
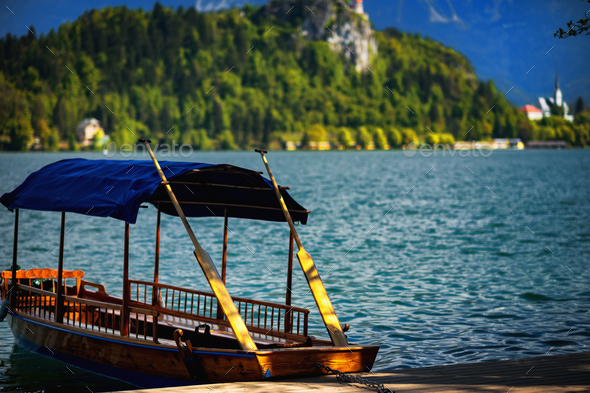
(237, 78)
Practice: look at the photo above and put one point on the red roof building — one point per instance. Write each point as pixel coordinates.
(532, 112)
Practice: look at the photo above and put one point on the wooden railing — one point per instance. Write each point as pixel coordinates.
(34, 301)
(259, 316)
(86, 313)
(174, 299)
(263, 316)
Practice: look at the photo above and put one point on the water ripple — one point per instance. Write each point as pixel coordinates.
(433, 268)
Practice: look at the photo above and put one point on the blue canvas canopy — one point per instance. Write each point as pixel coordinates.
(116, 188)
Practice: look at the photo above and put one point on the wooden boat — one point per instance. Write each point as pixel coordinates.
(158, 334)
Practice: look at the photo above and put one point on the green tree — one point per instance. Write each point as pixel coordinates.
(432, 139)
(379, 138)
(97, 140)
(53, 140)
(344, 138)
(17, 122)
(226, 140)
(579, 106)
(317, 133)
(447, 139)
(204, 141)
(217, 117)
(557, 110)
(20, 132)
(43, 131)
(575, 28)
(268, 126)
(394, 137)
(409, 136)
(363, 138)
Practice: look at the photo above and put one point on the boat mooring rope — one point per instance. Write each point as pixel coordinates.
(354, 379)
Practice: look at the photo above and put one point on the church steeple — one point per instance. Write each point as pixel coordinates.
(357, 5)
(557, 93)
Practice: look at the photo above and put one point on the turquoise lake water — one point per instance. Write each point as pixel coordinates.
(437, 260)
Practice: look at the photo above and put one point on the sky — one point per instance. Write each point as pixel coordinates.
(503, 40)
(508, 41)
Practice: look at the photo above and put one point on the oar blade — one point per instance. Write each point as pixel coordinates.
(321, 298)
(225, 300)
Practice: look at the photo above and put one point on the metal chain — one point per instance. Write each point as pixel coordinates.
(354, 379)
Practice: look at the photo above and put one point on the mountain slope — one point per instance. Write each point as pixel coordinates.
(240, 77)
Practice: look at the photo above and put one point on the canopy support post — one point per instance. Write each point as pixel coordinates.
(125, 312)
(223, 259)
(312, 275)
(59, 302)
(224, 254)
(217, 286)
(155, 290)
(288, 325)
(14, 260)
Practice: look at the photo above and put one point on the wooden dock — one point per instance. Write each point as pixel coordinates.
(559, 373)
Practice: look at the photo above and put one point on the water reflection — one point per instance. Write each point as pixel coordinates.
(24, 371)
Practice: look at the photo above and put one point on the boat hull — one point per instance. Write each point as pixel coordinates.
(138, 363)
(299, 362)
(150, 365)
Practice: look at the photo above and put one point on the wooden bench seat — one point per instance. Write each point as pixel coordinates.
(43, 274)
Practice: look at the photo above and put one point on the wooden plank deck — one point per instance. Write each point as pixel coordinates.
(559, 373)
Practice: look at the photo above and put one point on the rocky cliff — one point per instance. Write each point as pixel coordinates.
(335, 22)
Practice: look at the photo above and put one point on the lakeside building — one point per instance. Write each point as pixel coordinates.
(464, 145)
(322, 145)
(504, 143)
(546, 103)
(86, 130)
(291, 146)
(357, 5)
(494, 144)
(532, 112)
(547, 145)
(313, 145)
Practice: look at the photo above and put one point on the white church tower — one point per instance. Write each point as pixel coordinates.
(557, 93)
(358, 7)
(557, 100)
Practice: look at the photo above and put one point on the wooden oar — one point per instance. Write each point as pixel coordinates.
(217, 286)
(311, 273)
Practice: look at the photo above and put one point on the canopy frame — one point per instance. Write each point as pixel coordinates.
(117, 188)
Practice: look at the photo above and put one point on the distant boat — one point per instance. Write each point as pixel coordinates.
(160, 334)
